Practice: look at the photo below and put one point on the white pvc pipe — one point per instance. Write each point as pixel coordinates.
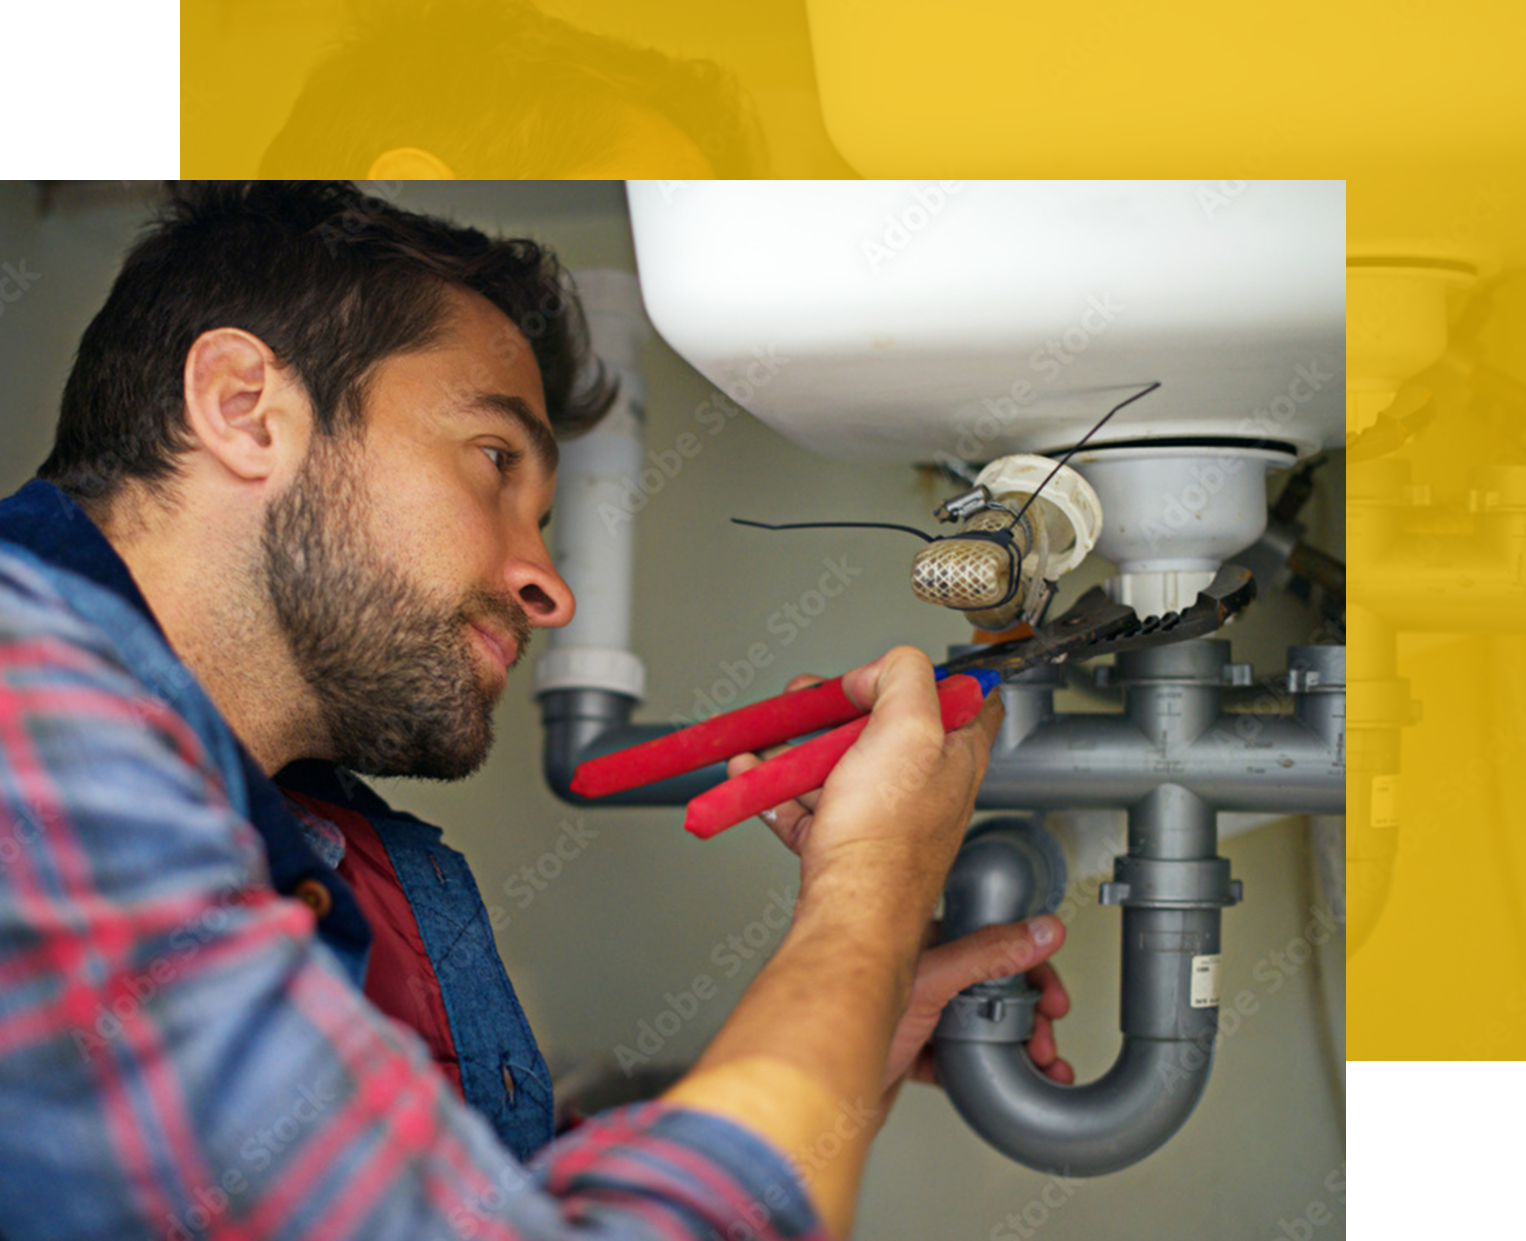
(598, 494)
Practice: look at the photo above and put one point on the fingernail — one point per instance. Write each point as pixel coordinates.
(1044, 931)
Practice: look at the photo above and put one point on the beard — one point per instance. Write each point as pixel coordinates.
(394, 670)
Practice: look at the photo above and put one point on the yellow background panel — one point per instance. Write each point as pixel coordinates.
(1416, 105)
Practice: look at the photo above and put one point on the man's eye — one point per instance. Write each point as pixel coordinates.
(503, 459)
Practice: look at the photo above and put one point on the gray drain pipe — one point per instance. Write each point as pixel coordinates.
(589, 681)
(1174, 760)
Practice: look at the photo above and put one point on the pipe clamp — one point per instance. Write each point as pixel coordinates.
(1156, 883)
(974, 1018)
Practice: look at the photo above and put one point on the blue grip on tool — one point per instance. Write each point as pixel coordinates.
(988, 679)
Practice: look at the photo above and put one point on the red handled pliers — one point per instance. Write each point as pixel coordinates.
(757, 727)
(1094, 625)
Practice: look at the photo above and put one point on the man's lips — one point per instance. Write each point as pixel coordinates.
(500, 645)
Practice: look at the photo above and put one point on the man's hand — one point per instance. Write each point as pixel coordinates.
(946, 969)
(805, 1048)
(906, 789)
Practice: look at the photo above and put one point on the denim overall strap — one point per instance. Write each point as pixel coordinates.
(503, 1074)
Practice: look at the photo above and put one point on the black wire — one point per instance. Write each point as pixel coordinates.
(806, 525)
(1059, 465)
(993, 535)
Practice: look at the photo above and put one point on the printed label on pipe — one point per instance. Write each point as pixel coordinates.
(1205, 980)
(1385, 801)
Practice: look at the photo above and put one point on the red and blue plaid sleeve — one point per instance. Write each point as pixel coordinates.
(181, 1057)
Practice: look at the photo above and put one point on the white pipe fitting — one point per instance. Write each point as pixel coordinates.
(594, 536)
(1172, 516)
(1396, 326)
(1066, 504)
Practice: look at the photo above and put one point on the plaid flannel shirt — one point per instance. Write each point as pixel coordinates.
(181, 1056)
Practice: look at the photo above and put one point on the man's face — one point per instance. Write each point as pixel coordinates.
(406, 565)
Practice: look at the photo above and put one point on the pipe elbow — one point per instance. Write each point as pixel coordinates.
(576, 721)
(1173, 889)
(581, 724)
(1091, 1130)
(559, 761)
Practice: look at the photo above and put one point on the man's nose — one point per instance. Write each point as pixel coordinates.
(542, 592)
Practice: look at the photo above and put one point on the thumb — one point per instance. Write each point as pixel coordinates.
(991, 952)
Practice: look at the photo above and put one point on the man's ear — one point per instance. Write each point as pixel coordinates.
(240, 407)
(409, 164)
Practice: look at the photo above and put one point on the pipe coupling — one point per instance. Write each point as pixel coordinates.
(973, 1017)
(1159, 883)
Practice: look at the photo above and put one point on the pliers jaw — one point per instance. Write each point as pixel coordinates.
(1095, 625)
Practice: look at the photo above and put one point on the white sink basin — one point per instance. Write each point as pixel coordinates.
(896, 320)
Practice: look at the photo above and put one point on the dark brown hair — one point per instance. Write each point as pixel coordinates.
(333, 281)
(497, 88)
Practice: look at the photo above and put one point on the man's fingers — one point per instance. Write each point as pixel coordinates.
(742, 762)
(988, 722)
(746, 762)
(1046, 1055)
(804, 681)
(1041, 1048)
(788, 821)
(1060, 1071)
(926, 1068)
(902, 678)
(991, 952)
(1054, 1001)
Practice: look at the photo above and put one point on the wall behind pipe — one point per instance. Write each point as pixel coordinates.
(608, 918)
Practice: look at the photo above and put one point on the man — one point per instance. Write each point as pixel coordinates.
(294, 512)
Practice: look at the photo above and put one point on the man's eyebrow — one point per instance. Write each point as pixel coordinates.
(517, 410)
